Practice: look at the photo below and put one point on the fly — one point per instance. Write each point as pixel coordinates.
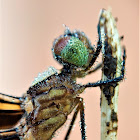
(45, 106)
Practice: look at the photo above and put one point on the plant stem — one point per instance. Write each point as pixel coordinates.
(111, 68)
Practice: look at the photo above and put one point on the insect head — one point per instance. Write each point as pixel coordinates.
(73, 49)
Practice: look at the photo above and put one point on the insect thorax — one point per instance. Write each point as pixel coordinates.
(47, 105)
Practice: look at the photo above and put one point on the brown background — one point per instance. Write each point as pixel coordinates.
(27, 30)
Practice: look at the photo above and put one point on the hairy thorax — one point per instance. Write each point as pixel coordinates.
(47, 105)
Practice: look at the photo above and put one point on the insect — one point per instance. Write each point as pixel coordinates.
(47, 103)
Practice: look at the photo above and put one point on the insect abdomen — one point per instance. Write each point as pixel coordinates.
(10, 111)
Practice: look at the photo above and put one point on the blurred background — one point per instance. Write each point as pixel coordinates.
(27, 31)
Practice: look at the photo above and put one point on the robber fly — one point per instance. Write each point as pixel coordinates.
(47, 103)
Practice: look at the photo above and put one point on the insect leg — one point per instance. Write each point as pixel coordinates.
(82, 114)
(95, 69)
(115, 80)
(98, 49)
(72, 123)
(82, 118)
(10, 134)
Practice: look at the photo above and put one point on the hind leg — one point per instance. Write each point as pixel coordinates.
(80, 108)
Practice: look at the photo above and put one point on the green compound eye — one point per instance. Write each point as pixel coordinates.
(75, 52)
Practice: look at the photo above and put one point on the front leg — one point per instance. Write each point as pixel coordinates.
(98, 49)
(111, 81)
